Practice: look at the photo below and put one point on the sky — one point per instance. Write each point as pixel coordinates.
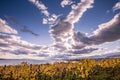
(58, 30)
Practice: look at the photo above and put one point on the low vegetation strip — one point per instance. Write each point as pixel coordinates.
(87, 69)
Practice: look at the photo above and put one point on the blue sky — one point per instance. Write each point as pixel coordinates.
(67, 29)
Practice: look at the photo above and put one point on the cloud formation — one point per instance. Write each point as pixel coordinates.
(65, 38)
(12, 45)
(5, 28)
(98, 54)
(68, 44)
(116, 6)
(107, 32)
(80, 40)
(49, 18)
(83, 50)
(40, 6)
(78, 10)
(63, 31)
(66, 2)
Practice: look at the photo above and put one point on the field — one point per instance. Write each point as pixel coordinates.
(87, 69)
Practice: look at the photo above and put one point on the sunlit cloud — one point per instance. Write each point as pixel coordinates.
(5, 28)
(66, 2)
(49, 18)
(78, 10)
(116, 6)
(63, 31)
(67, 43)
(40, 6)
(107, 32)
(12, 46)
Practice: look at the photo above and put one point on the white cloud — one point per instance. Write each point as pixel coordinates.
(68, 44)
(97, 54)
(50, 18)
(106, 32)
(78, 10)
(63, 32)
(109, 31)
(66, 2)
(40, 6)
(5, 28)
(13, 45)
(116, 6)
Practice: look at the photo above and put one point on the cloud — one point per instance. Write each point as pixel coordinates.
(40, 6)
(61, 57)
(74, 44)
(61, 34)
(80, 40)
(63, 31)
(101, 53)
(78, 10)
(107, 32)
(5, 28)
(116, 6)
(66, 2)
(13, 40)
(107, 53)
(13, 46)
(49, 18)
(83, 50)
